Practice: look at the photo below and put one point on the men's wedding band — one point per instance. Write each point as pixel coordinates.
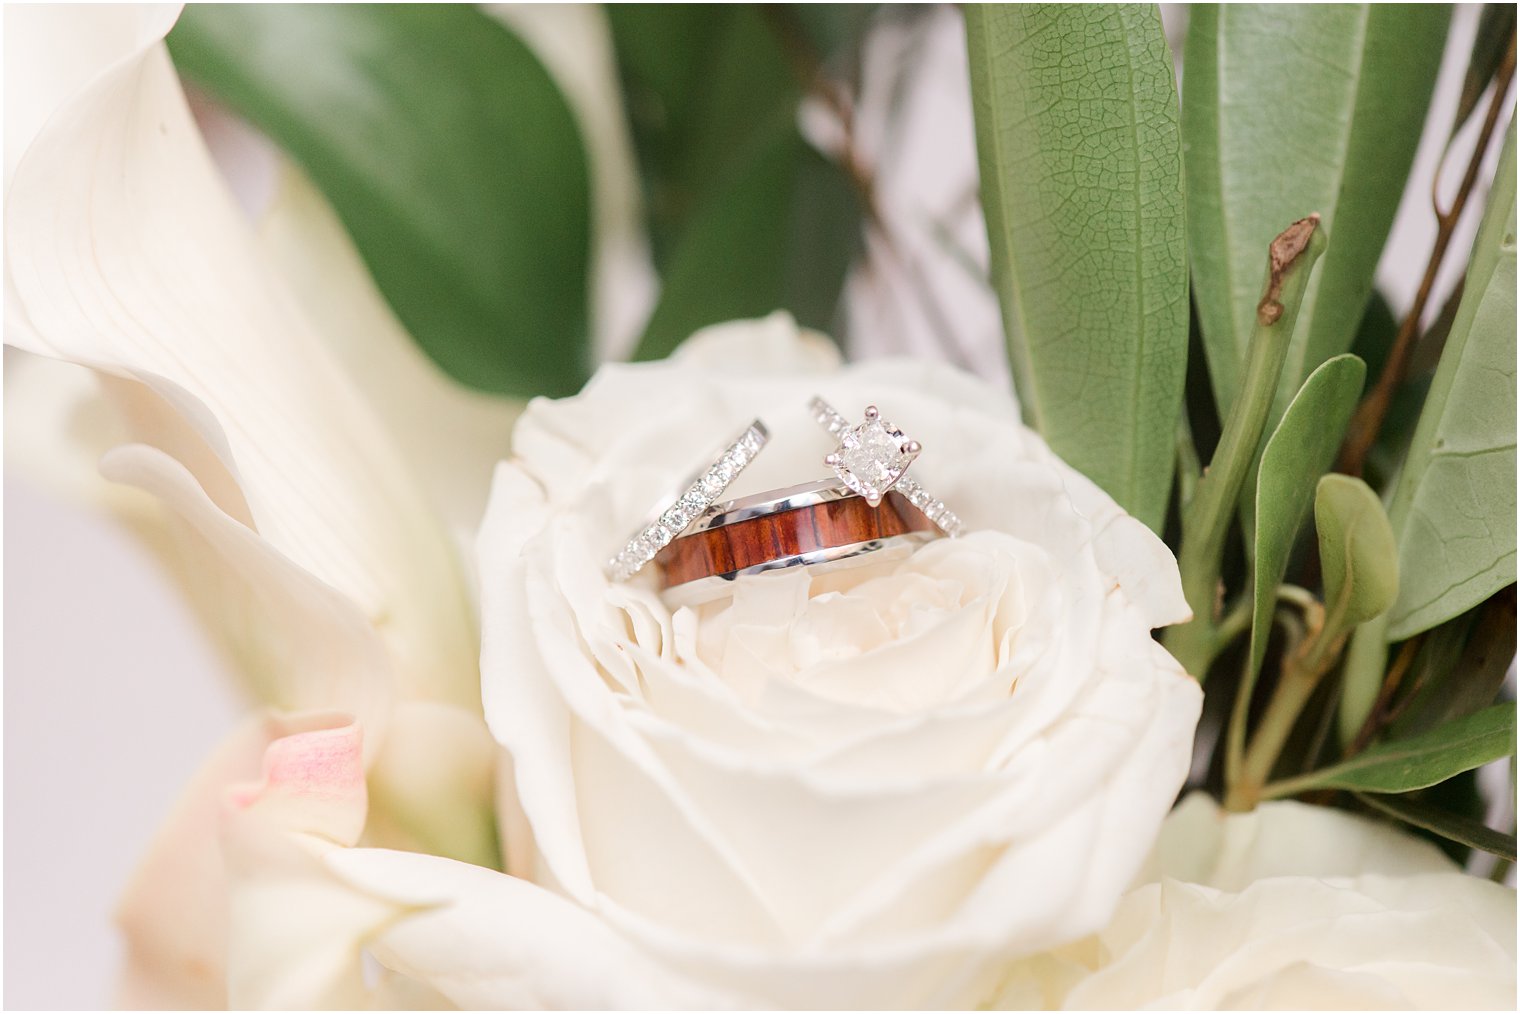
(821, 525)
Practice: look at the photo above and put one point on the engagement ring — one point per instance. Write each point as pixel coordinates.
(871, 459)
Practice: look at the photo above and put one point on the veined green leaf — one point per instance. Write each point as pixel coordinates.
(1356, 552)
(1289, 109)
(1454, 506)
(449, 154)
(1448, 825)
(1080, 153)
(1418, 762)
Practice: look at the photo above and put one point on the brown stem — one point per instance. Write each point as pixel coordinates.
(1381, 716)
(1368, 419)
(807, 66)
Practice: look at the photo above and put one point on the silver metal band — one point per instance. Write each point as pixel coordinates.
(716, 586)
(947, 520)
(700, 494)
(807, 494)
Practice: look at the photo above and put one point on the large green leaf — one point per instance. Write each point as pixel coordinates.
(1289, 109)
(1454, 506)
(450, 156)
(1080, 152)
(1298, 453)
(1418, 762)
(744, 216)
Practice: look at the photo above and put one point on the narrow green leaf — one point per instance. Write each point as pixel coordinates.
(1080, 153)
(744, 216)
(799, 219)
(1289, 109)
(1297, 454)
(1461, 666)
(1418, 762)
(1454, 506)
(1356, 552)
(1454, 826)
(449, 154)
(705, 86)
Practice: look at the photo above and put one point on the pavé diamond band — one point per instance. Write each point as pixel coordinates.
(700, 494)
(871, 459)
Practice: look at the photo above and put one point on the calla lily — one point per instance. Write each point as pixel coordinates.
(308, 475)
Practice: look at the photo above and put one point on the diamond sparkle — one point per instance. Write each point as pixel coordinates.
(872, 456)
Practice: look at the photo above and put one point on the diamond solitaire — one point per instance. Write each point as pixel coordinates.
(871, 457)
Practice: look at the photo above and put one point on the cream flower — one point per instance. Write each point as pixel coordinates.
(1289, 907)
(859, 790)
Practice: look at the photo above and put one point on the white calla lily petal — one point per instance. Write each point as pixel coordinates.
(133, 260)
(451, 436)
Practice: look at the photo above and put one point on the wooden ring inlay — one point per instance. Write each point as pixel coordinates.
(769, 537)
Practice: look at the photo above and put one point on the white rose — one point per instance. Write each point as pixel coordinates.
(1288, 907)
(857, 790)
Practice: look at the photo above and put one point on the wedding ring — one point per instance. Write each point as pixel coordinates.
(871, 459)
(700, 494)
(821, 525)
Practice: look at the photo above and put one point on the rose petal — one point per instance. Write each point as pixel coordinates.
(487, 940)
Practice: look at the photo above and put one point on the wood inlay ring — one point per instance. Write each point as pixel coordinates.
(726, 549)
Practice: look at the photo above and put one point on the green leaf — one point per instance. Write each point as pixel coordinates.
(1454, 506)
(1080, 152)
(1289, 109)
(799, 218)
(449, 154)
(1297, 454)
(744, 216)
(1461, 666)
(1418, 762)
(1356, 552)
(705, 86)
(1495, 25)
(1461, 829)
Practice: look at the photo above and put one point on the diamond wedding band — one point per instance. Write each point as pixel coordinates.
(700, 494)
(871, 459)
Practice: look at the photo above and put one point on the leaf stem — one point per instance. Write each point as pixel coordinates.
(1206, 522)
(1302, 672)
